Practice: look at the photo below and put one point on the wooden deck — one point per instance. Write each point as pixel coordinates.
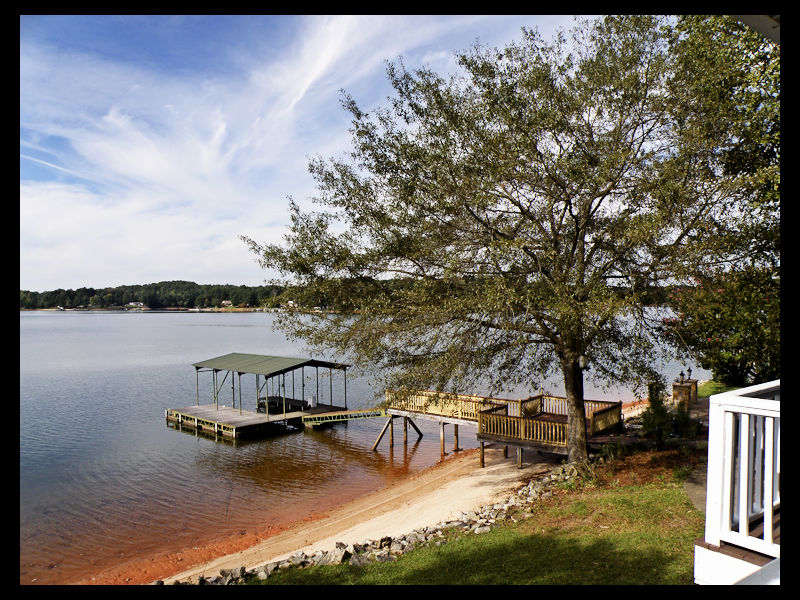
(538, 422)
(235, 423)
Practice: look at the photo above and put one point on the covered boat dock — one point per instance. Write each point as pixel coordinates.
(280, 398)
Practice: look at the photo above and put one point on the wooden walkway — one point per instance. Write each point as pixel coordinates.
(342, 415)
(236, 423)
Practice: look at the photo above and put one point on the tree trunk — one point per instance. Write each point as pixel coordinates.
(577, 450)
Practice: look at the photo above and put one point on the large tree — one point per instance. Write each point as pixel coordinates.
(495, 225)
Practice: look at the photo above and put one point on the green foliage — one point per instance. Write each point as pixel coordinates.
(708, 388)
(685, 425)
(612, 451)
(166, 294)
(731, 323)
(733, 75)
(728, 313)
(655, 418)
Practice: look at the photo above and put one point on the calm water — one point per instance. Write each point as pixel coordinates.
(103, 479)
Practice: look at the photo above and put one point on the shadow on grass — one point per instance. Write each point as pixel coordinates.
(513, 558)
(545, 560)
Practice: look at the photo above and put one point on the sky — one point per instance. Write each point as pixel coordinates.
(149, 144)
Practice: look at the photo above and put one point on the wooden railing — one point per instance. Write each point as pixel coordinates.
(556, 405)
(495, 422)
(602, 415)
(457, 406)
(605, 418)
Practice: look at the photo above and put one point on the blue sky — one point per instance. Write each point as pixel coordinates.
(148, 144)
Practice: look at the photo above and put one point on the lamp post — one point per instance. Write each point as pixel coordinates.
(682, 376)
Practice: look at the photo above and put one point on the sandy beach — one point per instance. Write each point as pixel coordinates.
(437, 494)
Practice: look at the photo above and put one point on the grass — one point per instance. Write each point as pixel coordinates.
(713, 387)
(630, 523)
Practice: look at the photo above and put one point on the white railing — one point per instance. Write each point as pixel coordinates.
(744, 467)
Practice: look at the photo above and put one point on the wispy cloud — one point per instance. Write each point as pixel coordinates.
(137, 169)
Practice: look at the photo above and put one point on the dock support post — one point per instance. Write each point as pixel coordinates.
(197, 386)
(405, 431)
(411, 421)
(345, 388)
(216, 398)
(441, 438)
(482, 452)
(240, 393)
(391, 432)
(380, 436)
(519, 458)
(455, 438)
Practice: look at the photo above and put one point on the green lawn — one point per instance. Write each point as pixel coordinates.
(713, 387)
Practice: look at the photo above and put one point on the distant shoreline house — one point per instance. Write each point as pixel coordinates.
(226, 303)
(135, 304)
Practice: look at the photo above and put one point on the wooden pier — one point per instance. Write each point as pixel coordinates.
(278, 408)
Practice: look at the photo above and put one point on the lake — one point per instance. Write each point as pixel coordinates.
(104, 480)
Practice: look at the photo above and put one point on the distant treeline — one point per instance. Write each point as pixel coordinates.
(166, 294)
(186, 294)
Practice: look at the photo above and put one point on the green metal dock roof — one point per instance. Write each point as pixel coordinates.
(263, 365)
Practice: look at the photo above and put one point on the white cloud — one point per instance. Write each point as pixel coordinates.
(154, 172)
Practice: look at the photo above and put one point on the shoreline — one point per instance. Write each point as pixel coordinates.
(433, 495)
(426, 498)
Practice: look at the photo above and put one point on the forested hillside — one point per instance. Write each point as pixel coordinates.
(166, 294)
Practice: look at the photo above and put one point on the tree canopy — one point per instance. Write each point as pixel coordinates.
(502, 223)
(728, 316)
(731, 325)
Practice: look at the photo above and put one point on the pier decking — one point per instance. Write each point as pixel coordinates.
(235, 423)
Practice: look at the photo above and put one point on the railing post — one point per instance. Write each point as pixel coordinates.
(715, 475)
(769, 482)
